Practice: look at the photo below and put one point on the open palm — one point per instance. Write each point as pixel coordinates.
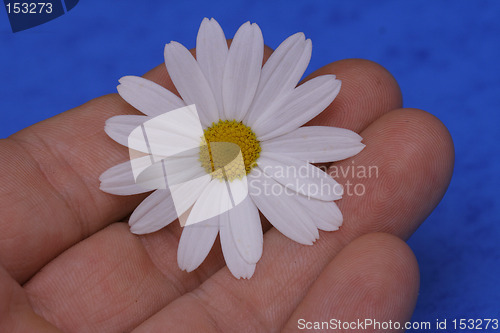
(68, 261)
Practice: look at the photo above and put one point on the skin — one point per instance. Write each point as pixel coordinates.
(68, 263)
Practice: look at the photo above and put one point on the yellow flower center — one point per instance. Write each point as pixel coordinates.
(229, 150)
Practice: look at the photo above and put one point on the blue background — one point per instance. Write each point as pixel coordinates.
(445, 55)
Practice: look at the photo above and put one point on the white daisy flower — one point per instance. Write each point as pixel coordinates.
(261, 110)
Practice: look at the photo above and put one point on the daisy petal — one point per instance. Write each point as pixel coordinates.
(148, 174)
(281, 207)
(300, 176)
(316, 144)
(303, 104)
(218, 197)
(187, 193)
(238, 189)
(236, 263)
(190, 81)
(280, 74)
(154, 213)
(148, 97)
(246, 230)
(242, 71)
(135, 176)
(180, 169)
(326, 214)
(211, 54)
(168, 134)
(119, 128)
(196, 242)
(120, 179)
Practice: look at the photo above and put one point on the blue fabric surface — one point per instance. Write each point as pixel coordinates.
(445, 56)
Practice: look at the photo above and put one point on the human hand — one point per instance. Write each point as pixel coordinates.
(69, 263)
